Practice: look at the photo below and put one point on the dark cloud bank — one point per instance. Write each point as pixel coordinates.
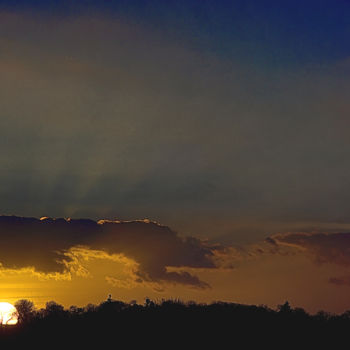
(42, 244)
(162, 256)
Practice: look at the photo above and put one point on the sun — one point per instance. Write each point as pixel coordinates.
(8, 314)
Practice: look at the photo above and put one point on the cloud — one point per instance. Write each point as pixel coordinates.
(57, 246)
(340, 281)
(324, 248)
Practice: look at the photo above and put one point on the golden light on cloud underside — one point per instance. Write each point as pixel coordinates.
(8, 314)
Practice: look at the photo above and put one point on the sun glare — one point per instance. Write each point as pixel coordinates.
(8, 314)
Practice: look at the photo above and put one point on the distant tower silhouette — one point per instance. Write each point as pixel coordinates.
(109, 299)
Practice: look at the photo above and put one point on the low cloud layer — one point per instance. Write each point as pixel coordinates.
(44, 244)
(324, 248)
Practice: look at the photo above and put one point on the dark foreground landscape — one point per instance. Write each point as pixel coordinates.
(174, 324)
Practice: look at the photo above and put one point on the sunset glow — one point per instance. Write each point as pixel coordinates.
(184, 149)
(8, 314)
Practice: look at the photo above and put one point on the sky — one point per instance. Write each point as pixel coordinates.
(204, 142)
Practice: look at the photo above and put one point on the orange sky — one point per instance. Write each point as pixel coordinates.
(254, 279)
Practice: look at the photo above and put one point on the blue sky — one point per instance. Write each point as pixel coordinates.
(263, 32)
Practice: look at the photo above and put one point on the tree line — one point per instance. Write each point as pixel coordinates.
(171, 322)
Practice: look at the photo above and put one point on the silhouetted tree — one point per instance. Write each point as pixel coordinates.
(284, 308)
(323, 316)
(74, 310)
(149, 303)
(25, 310)
(54, 309)
(298, 311)
(90, 308)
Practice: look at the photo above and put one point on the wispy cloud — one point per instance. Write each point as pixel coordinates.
(323, 248)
